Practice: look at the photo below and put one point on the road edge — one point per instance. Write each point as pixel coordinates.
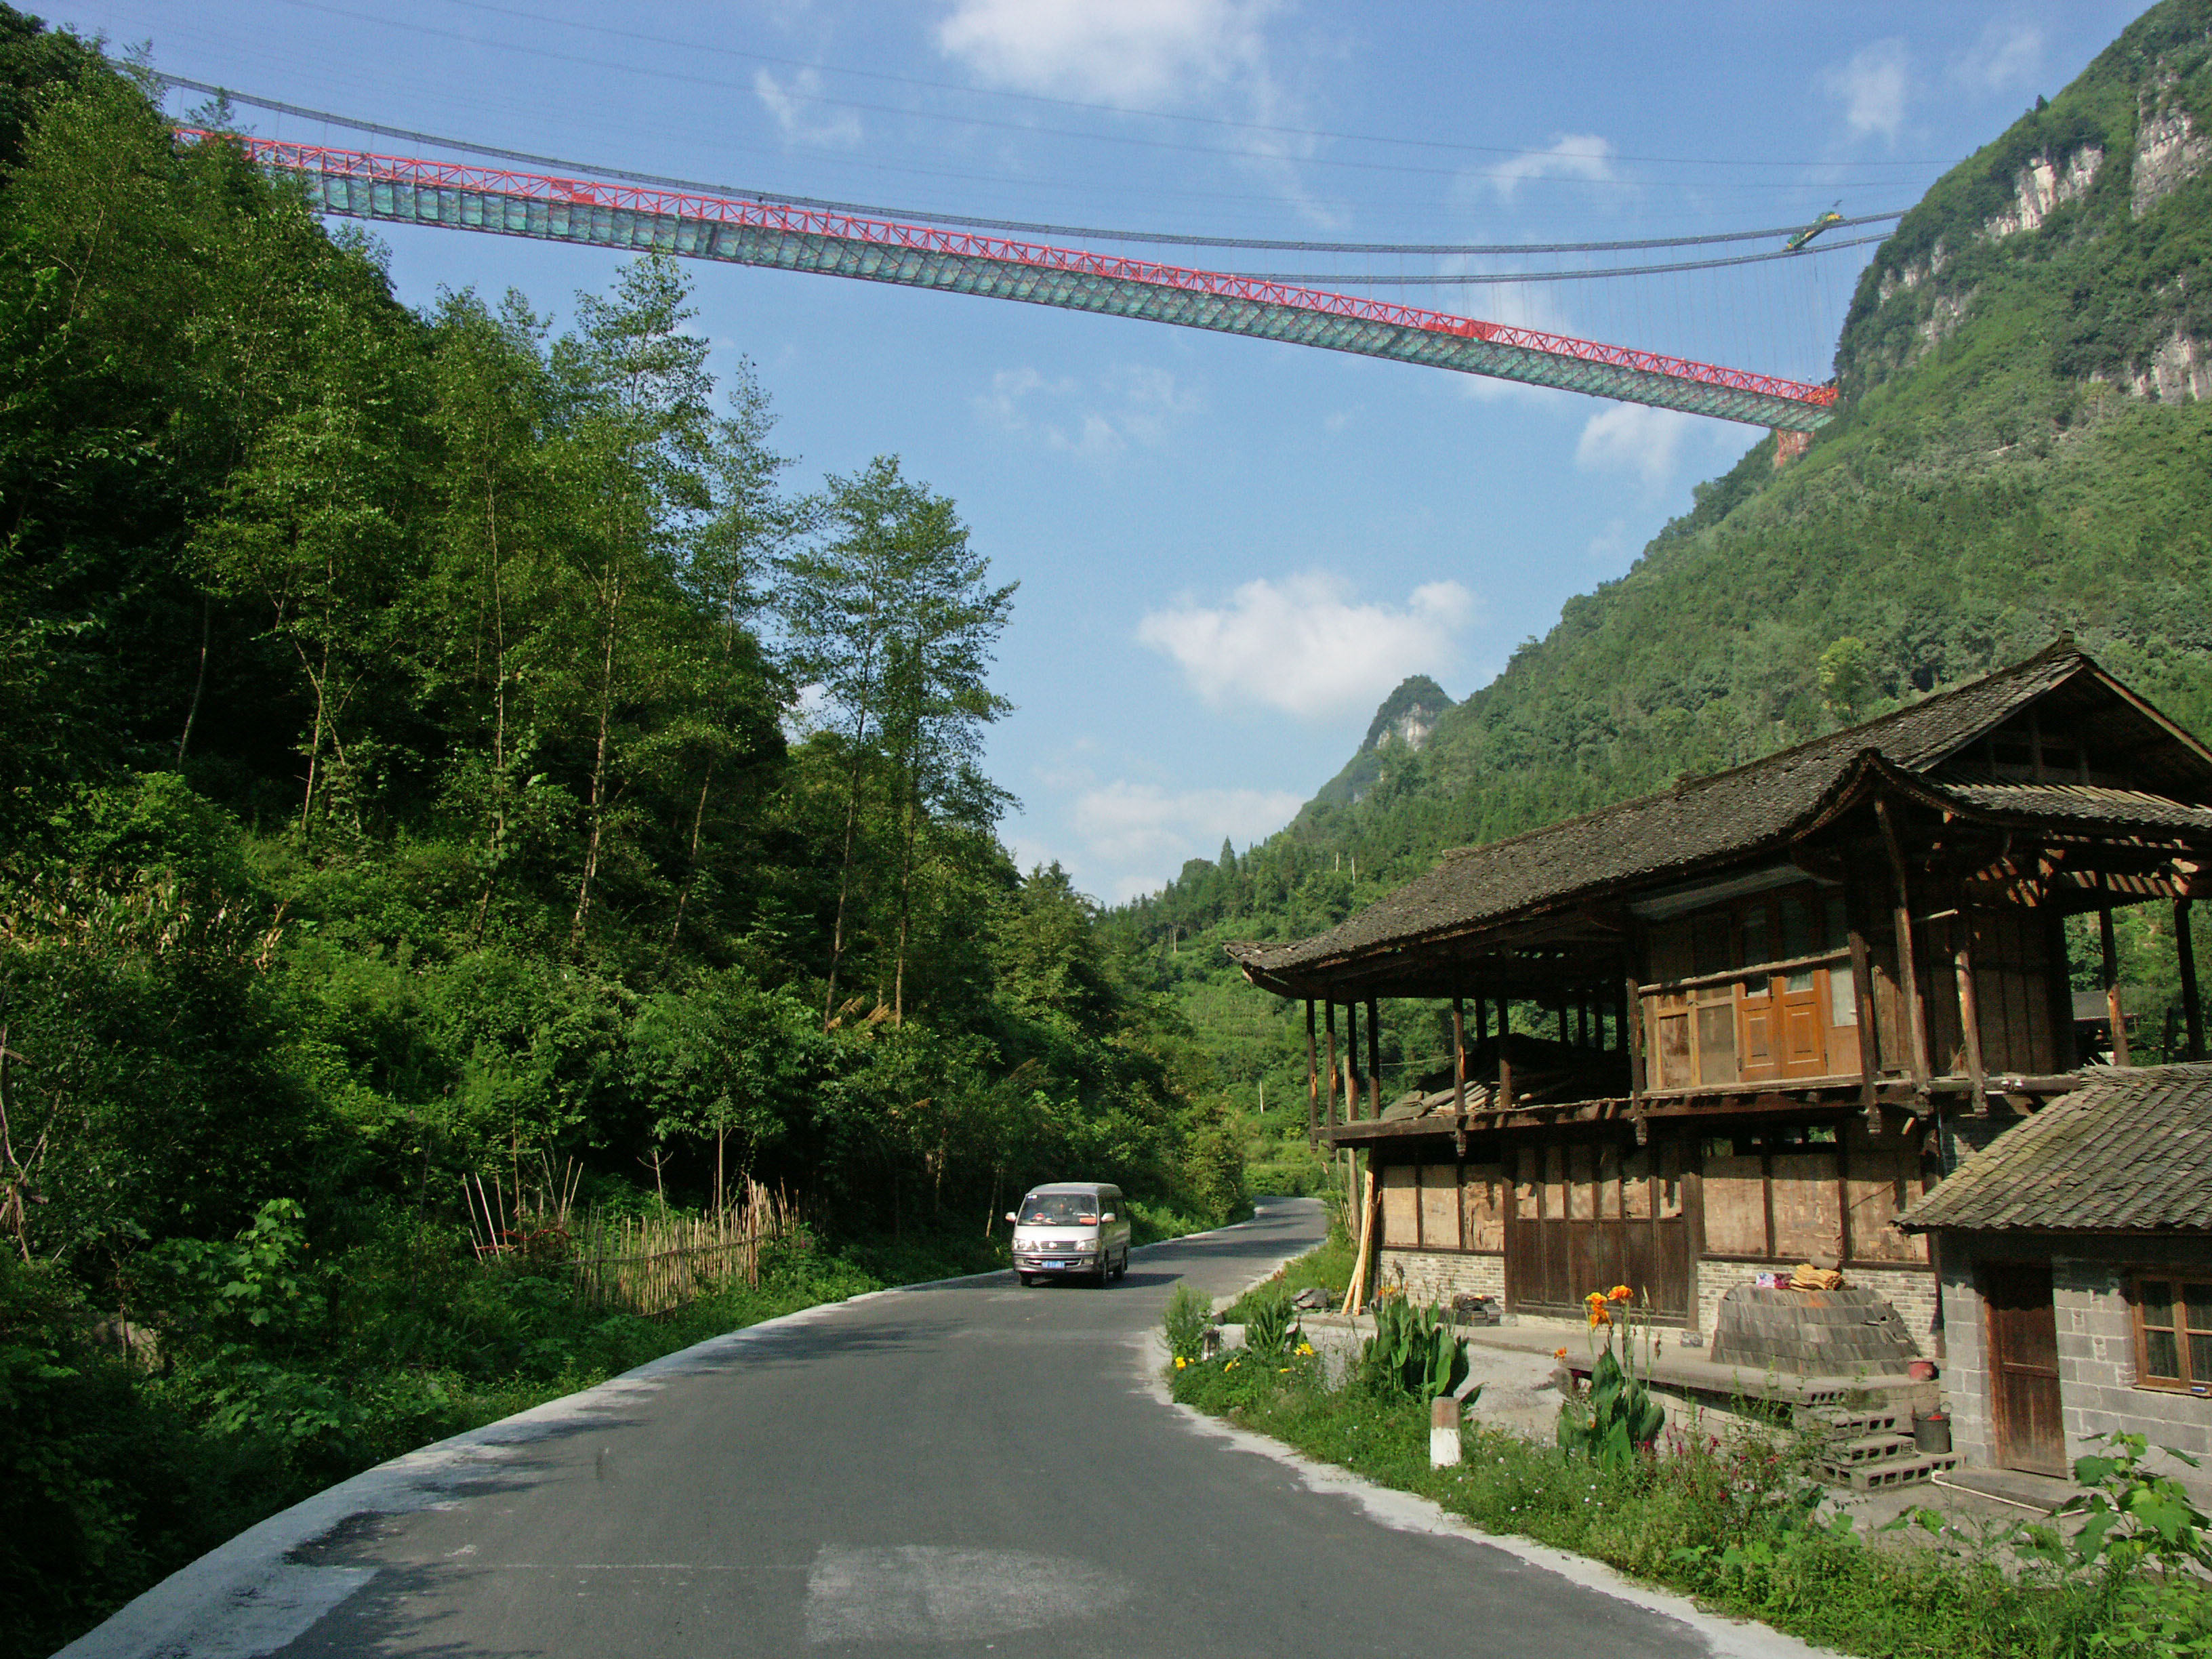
(1404, 1511)
(250, 1595)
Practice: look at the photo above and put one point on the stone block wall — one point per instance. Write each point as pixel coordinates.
(1440, 1275)
(2097, 1389)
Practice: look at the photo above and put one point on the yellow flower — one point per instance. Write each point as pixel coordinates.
(1620, 1293)
(1180, 1362)
(1594, 1299)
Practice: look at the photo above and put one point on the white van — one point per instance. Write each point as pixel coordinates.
(1071, 1227)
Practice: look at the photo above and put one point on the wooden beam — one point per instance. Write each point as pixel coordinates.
(1863, 1002)
(1328, 1010)
(1459, 1059)
(1504, 1059)
(1374, 1061)
(1313, 1082)
(2185, 951)
(1908, 976)
(1970, 1024)
(1351, 1063)
(2113, 1012)
(1637, 1081)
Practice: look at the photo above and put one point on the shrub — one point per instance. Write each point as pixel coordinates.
(1188, 1316)
(1269, 1327)
(1413, 1351)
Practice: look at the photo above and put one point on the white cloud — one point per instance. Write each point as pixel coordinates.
(1634, 438)
(1577, 155)
(1135, 824)
(803, 120)
(2008, 55)
(1872, 88)
(1132, 52)
(1134, 406)
(1302, 646)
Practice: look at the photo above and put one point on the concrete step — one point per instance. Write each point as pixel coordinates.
(1836, 1421)
(1866, 1449)
(1897, 1472)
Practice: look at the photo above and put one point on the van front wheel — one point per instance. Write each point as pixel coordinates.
(1026, 1279)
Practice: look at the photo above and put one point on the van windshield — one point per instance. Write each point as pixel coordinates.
(1060, 1210)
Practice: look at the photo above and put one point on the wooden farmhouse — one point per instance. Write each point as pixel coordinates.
(1748, 1022)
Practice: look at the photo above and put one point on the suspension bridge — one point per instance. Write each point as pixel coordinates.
(828, 242)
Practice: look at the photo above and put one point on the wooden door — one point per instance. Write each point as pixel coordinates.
(1586, 1216)
(2023, 1337)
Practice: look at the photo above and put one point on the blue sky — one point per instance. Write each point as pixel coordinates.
(1229, 550)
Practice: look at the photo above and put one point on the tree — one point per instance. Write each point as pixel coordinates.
(637, 446)
(1843, 673)
(890, 616)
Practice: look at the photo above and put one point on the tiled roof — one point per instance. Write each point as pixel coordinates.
(2089, 803)
(1682, 828)
(2128, 1151)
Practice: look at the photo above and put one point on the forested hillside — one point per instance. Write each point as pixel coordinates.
(404, 777)
(2020, 451)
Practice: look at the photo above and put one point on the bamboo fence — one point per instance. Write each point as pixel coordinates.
(649, 1264)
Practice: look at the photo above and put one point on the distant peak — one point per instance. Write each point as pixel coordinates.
(1408, 715)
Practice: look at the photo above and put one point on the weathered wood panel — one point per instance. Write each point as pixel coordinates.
(1809, 1221)
(1484, 1201)
(1440, 1229)
(1735, 1206)
(1400, 1207)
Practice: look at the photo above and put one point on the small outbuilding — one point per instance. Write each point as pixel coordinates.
(2076, 1265)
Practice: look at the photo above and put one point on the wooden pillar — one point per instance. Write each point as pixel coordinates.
(1505, 1058)
(1970, 1024)
(1374, 1064)
(1637, 1082)
(2113, 1012)
(1863, 996)
(1908, 975)
(1313, 1082)
(1329, 1015)
(1351, 1063)
(1459, 1057)
(1564, 1037)
(1481, 1020)
(2185, 951)
(2058, 989)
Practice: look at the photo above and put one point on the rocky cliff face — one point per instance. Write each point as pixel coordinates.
(1408, 715)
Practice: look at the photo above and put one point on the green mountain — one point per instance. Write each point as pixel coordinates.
(2021, 450)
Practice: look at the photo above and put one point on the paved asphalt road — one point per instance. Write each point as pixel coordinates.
(972, 1469)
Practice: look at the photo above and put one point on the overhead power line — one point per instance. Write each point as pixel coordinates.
(1028, 226)
(1122, 111)
(684, 77)
(1484, 278)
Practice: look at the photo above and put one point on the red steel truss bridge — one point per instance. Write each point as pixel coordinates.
(635, 218)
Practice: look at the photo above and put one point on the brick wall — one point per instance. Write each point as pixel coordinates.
(1440, 1275)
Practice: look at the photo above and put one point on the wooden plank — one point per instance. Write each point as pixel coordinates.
(1734, 1206)
(1401, 1211)
(1485, 1201)
(1440, 1207)
(1806, 1202)
(1863, 998)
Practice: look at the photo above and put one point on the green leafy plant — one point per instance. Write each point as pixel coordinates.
(1188, 1316)
(1414, 1350)
(1615, 1421)
(1270, 1327)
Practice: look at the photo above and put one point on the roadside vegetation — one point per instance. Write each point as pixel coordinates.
(435, 747)
(1738, 1523)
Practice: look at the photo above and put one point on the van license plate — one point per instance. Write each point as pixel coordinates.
(1055, 1264)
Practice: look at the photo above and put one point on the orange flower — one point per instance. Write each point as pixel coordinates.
(1558, 1353)
(1599, 1316)
(1620, 1293)
(1594, 1299)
